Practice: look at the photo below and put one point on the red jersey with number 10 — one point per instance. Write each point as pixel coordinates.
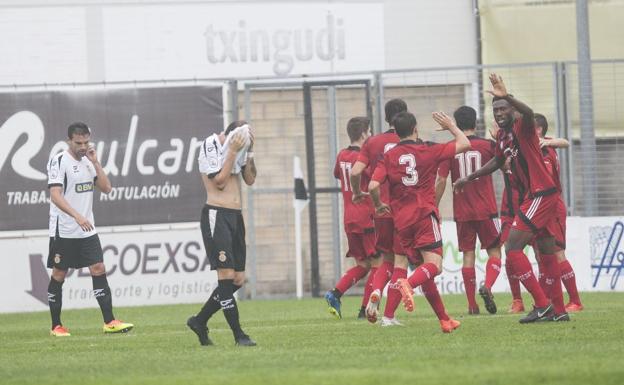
(357, 217)
(372, 153)
(410, 169)
(477, 201)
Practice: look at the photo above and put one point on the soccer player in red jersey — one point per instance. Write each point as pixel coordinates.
(372, 152)
(537, 213)
(410, 171)
(552, 161)
(358, 218)
(474, 210)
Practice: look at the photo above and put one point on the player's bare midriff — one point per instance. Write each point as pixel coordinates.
(229, 197)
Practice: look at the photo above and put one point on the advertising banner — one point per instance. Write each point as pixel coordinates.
(146, 139)
(595, 249)
(144, 268)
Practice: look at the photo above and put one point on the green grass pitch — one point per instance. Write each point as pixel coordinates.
(299, 343)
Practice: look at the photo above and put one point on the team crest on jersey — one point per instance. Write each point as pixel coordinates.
(84, 187)
(222, 256)
(75, 169)
(57, 259)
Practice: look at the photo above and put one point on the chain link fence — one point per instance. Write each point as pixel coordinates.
(276, 110)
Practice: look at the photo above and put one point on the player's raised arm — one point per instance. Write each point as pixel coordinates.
(554, 142)
(102, 182)
(499, 90)
(462, 144)
(249, 171)
(222, 177)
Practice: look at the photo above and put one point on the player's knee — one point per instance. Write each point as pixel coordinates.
(59, 275)
(97, 269)
(225, 274)
(239, 279)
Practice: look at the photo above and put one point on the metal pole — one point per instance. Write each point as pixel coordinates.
(333, 150)
(379, 102)
(481, 117)
(251, 214)
(233, 90)
(586, 110)
(309, 134)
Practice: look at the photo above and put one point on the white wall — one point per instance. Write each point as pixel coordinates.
(89, 40)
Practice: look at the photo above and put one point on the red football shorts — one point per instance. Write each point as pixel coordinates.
(424, 235)
(384, 231)
(488, 231)
(539, 216)
(361, 245)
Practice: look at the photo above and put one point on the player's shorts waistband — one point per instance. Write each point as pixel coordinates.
(225, 209)
(543, 193)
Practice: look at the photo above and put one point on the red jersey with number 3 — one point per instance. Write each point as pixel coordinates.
(357, 217)
(410, 169)
(372, 153)
(522, 144)
(477, 201)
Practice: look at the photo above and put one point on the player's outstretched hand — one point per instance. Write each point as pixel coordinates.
(237, 142)
(382, 209)
(498, 87)
(458, 186)
(84, 223)
(359, 198)
(445, 121)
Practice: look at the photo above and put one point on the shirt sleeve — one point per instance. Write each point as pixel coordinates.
(380, 173)
(527, 132)
(209, 161)
(56, 175)
(364, 155)
(444, 168)
(447, 151)
(337, 167)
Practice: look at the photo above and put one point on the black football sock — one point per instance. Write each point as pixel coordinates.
(102, 293)
(228, 305)
(212, 306)
(55, 300)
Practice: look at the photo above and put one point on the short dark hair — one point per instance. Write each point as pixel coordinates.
(541, 121)
(233, 125)
(393, 107)
(78, 128)
(404, 124)
(357, 126)
(465, 117)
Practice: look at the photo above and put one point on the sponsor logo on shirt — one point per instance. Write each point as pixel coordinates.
(84, 187)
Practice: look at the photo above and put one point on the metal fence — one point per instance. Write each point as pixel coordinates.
(288, 122)
(277, 110)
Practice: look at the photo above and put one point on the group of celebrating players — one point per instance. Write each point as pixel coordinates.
(392, 184)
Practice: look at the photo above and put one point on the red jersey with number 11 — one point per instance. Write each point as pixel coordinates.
(410, 169)
(357, 217)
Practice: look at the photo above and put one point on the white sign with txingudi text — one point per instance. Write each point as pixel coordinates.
(234, 40)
